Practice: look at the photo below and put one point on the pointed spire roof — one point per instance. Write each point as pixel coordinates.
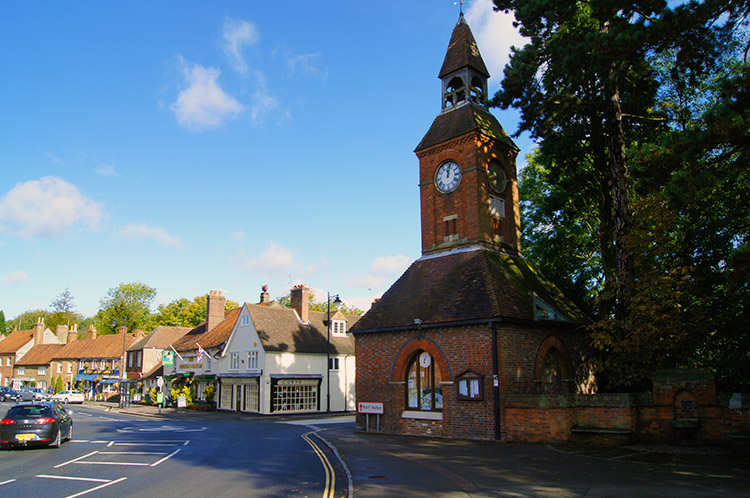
(462, 51)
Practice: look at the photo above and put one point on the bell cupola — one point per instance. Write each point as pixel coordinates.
(464, 75)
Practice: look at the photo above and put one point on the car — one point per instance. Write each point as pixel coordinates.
(7, 393)
(71, 396)
(33, 394)
(36, 423)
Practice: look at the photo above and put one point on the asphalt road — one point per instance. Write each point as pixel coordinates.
(115, 454)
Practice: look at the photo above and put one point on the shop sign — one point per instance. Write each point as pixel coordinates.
(167, 358)
(190, 366)
(101, 372)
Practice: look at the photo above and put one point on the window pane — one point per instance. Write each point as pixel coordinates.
(426, 389)
(436, 384)
(412, 386)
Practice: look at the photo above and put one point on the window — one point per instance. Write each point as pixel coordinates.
(339, 327)
(455, 92)
(333, 363)
(245, 320)
(59, 367)
(130, 359)
(42, 371)
(70, 367)
(208, 363)
(497, 207)
(451, 231)
(423, 391)
(234, 361)
(7, 361)
(252, 360)
(21, 370)
(469, 386)
(138, 358)
(294, 395)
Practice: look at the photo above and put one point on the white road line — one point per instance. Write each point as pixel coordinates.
(186, 443)
(165, 458)
(144, 444)
(97, 488)
(132, 453)
(130, 464)
(111, 443)
(75, 459)
(7, 482)
(68, 478)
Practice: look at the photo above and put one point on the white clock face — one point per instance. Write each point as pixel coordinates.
(425, 359)
(448, 176)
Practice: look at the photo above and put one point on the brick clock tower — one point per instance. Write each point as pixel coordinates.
(471, 322)
(467, 163)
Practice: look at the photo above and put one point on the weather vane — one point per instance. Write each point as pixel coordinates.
(460, 4)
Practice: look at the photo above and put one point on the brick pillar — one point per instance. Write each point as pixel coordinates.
(215, 309)
(300, 299)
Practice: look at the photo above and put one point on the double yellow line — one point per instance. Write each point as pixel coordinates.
(328, 491)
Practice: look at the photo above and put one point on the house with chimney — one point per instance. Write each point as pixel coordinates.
(15, 346)
(144, 356)
(287, 360)
(94, 364)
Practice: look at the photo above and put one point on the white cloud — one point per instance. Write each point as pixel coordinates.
(237, 235)
(105, 169)
(143, 231)
(237, 35)
(275, 258)
(495, 34)
(13, 277)
(203, 104)
(307, 64)
(47, 207)
(383, 270)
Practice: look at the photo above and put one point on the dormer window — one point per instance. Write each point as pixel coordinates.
(338, 328)
(543, 311)
(455, 92)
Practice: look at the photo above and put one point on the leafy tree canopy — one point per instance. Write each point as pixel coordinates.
(185, 313)
(128, 304)
(314, 305)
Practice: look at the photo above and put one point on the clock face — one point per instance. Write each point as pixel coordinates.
(496, 176)
(425, 359)
(448, 176)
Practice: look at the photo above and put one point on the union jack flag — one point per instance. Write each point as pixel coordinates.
(201, 352)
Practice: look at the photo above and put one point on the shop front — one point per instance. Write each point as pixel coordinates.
(239, 393)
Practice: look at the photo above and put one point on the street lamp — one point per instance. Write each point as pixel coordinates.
(122, 359)
(328, 352)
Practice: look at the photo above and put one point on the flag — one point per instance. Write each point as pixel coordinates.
(201, 352)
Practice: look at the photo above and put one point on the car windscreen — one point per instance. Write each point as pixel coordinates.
(29, 411)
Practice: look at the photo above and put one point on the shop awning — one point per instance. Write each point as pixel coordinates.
(86, 377)
(109, 381)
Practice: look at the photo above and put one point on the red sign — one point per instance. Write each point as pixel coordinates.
(372, 408)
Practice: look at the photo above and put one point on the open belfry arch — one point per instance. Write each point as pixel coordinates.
(471, 321)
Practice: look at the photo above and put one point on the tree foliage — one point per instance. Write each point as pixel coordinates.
(185, 313)
(314, 305)
(128, 304)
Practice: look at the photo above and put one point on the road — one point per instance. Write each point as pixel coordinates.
(115, 454)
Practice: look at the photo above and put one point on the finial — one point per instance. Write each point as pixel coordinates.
(460, 4)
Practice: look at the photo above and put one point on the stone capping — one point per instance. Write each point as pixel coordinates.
(418, 414)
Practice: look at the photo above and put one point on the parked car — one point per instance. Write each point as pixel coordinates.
(36, 423)
(71, 396)
(7, 393)
(33, 394)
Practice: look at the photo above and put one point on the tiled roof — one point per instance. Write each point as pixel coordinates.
(462, 51)
(209, 339)
(15, 341)
(41, 354)
(463, 119)
(104, 346)
(160, 338)
(469, 285)
(279, 329)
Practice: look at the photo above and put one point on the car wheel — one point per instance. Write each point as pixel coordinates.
(70, 433)
(66, 401)
(58, 440)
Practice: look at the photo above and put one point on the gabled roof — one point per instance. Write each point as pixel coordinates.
(211, 338)
(280, 329)
(15, 341)
(160, 338)
(470, 285)
(463, 119)
(462, 51)
(41, 354)
(104, 346)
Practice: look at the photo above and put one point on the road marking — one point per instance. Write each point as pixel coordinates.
(75, 460)
(165, 458)
(68, 478)
(163, 428)
(7, 482)
(97, 488)
(127, 464)
(328, 491)
(320, 421)
(132, 453)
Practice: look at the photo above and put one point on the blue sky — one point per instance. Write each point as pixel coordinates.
(198, 146)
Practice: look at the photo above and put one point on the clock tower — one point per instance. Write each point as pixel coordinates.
(467, 163)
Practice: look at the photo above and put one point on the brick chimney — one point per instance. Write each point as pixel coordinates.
(61, 331)
(265, 297)
(300, 299)
(91, 334)
(38, 331)
(215, 309)
(73, 334)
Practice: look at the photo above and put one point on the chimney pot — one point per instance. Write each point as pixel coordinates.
(300, 299)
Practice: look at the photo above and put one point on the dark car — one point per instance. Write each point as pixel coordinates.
(37, 423)
(7, 393)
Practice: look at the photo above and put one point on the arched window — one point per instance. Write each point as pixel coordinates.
(423, 390)
(477, 90)
(455, 92)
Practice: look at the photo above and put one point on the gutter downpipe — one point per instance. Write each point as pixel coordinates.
(495, 381)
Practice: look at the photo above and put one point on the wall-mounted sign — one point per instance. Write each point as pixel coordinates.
(167, 358)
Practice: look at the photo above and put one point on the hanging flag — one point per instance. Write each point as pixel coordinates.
(201, 352)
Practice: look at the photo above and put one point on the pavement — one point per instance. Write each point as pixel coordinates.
(379, 465)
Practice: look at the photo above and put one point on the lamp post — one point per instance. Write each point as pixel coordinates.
(328, 352)
(122, 359)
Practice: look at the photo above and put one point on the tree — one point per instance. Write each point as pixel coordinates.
(184, 313)
(3, 326)
(314, 305)
(27, 319)
(63, 303)
(128, 303)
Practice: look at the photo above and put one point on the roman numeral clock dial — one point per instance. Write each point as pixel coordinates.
(447, 177)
